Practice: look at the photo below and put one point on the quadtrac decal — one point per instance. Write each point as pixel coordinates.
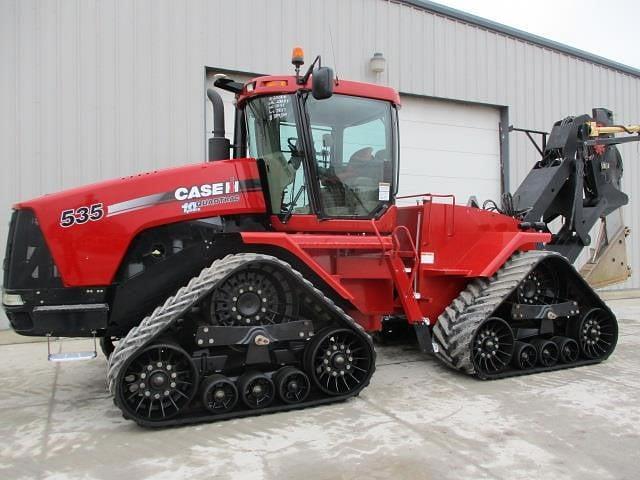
(190, 198)
(81, 215)
(200, 196)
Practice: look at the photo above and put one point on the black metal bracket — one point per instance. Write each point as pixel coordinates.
(257, 338)
(261, 335)
(572, 181)
(528, 132)
(524, 311)
(423, 334)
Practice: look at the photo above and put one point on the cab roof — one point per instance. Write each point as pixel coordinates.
(282, 84)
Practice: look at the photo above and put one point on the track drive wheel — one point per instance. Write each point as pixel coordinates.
(548, 351)
(257, 295)
(339, 361)
(524, 356)
(256, 390)
(219, 394)
(541, 286)
(568, 349)
(157, 383)
(492, 346)
(596, 332)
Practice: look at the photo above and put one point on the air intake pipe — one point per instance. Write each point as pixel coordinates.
(219, 146)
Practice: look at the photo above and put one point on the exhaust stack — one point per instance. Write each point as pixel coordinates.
(219, 146)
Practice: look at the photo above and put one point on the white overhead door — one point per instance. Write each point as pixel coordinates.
(449, 148)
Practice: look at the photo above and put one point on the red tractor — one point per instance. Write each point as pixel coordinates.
(247, 284)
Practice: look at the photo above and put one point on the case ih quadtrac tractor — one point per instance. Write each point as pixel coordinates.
(247, 284)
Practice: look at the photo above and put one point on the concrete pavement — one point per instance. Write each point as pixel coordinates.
(417, 420)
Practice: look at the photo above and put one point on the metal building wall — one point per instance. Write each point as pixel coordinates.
(93, 89)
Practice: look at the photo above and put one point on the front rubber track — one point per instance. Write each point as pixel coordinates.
(156, 325)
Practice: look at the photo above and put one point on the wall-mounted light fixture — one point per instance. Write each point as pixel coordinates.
(377, 63)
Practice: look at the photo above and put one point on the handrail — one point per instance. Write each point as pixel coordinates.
(449, 224)
(377, 232)
(433, 195)
(396, 242)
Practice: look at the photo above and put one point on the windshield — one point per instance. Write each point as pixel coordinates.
(273, 137)
(351, 152)
(354, 153)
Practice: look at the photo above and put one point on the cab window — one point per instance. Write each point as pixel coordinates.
(353, 154)
(272, 135)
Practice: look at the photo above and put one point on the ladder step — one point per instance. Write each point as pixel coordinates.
(72, 356)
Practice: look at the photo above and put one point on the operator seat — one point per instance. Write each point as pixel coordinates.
(366, 171)
(281, 174)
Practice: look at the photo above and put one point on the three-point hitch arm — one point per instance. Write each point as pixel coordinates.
(577, 182)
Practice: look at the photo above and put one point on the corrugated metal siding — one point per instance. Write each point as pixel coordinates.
(95, 89)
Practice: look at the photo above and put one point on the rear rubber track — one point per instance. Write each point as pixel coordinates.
(456, 326)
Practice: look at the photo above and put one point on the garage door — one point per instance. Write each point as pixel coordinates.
(448, 147)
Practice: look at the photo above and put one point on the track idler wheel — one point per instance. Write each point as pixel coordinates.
(292, 385)
(157, 383)
(596, 333)
(256, 390)
(548, 352)
(492, 346)
(339, 361)
(568, 349)
(524, 356)
(219, 394)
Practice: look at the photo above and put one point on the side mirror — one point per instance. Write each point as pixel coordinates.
(322, 83)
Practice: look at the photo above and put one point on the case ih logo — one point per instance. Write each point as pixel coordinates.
(207, 194)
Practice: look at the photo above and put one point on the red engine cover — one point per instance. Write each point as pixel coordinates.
(89, 229)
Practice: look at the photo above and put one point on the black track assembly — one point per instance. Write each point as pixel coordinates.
(253, 337)
(535, 314)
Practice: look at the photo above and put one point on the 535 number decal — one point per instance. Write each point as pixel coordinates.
(81, 215)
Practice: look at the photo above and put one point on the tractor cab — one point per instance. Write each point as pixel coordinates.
(329, 147)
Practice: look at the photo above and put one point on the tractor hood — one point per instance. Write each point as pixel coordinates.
(88, 229)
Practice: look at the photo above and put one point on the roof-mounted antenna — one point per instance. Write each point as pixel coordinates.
(333, 52)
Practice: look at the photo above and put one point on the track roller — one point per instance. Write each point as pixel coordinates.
(524, 356)
(292, 385)
(219, 394)
(548, 351)
(568, 349)
(256, 389)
